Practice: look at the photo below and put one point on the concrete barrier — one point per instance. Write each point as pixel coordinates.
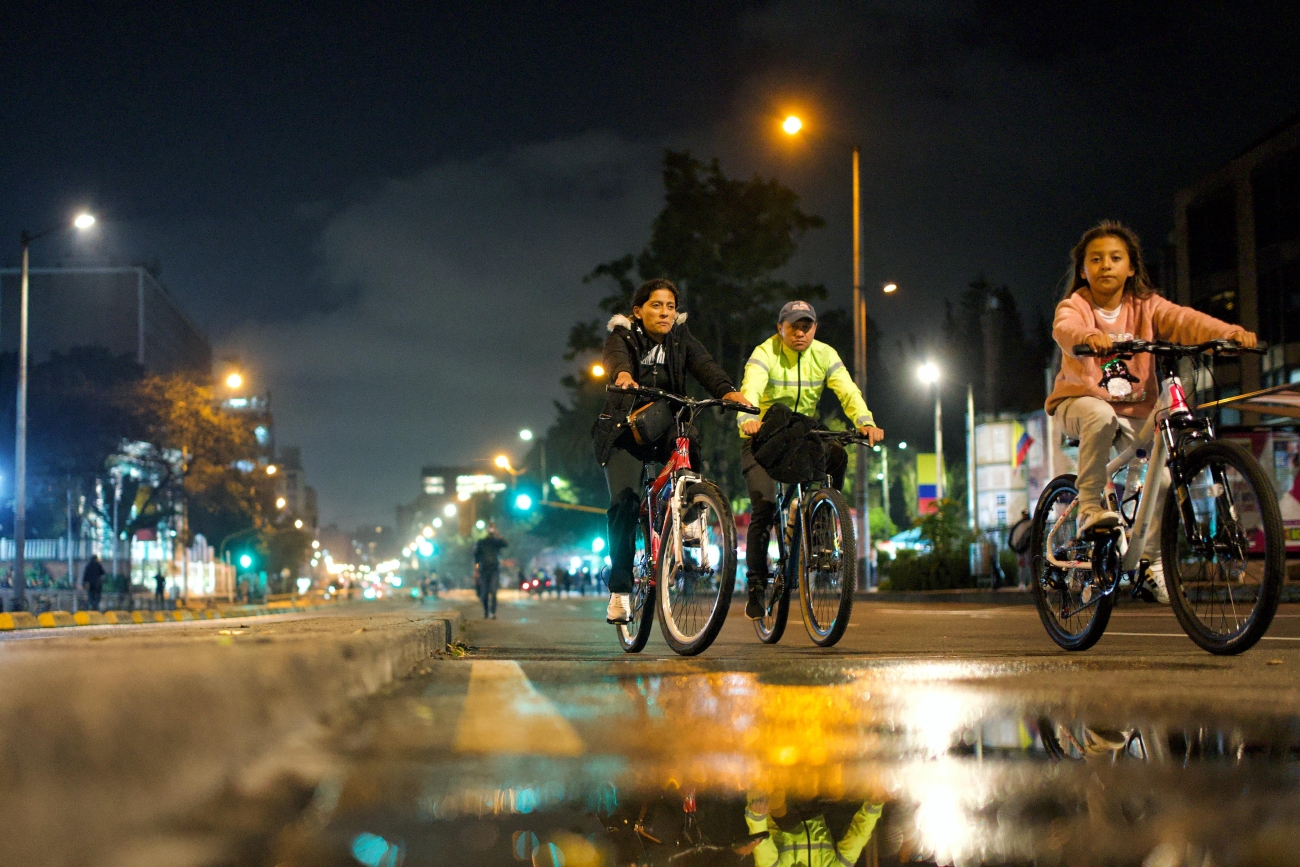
(182, 614)
(53, 619)
(147, 617)
(89, 618)
(11, 620)
(117, 617)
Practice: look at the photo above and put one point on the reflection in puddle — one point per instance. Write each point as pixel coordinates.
(729, 768)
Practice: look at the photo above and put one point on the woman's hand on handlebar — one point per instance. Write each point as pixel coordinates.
(736, 397)
(625, 380)
(872, 433)
(1246, 339)
(1098, 343)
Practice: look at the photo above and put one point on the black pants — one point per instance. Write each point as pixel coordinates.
(762, 502)
(623, 474)
(93, 592)
(489, 580)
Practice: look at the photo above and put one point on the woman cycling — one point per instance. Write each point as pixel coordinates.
(1095, 399)
(653, 349)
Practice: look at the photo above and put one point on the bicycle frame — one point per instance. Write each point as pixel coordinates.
(1171, 416)
(677, 467)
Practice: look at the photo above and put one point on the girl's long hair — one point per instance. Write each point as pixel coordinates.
(1139, 285)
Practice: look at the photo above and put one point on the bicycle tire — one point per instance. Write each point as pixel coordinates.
(776, 599)
(838, 596)
(1245, 632)
(1046, 582)
(691, 620)
(632, 636)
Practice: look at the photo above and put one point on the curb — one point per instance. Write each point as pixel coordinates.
(225, 707)
(12, 620)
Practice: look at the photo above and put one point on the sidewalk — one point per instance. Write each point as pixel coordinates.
(110, 728)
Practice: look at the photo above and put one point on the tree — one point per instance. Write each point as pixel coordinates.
(721, 240)
(987, 339)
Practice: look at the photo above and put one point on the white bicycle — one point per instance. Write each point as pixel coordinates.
(1221, 537)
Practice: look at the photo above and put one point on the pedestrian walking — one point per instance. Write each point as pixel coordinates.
(92, 578)
(487, 569)
(159, 590)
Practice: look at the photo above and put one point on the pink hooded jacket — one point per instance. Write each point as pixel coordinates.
(1152, 318)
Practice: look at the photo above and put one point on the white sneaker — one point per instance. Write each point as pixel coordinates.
(1101, 519)
(620, 608)
(1156, 582)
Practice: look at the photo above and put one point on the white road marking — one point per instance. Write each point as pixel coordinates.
(504, 713)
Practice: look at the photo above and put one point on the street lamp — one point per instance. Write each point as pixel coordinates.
(82, 222)
(234, 381)
(527, 436)
(598, 370)
(928, 373)
(793, 125)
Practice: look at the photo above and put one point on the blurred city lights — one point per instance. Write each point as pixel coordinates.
(526, 435)
(270, 469)
(245, 560)
(480, 524)
(281, 502)
(902, 445)
(598, 370)
(556, 481)
(298, 524)
(84, 221)
(234, 380)
(449, 510)
(315, 544)
(503, 462)
(427, 532)
(437, 522)
(889, 287)
(523, 502)
(597, 545)
(928, 373)
(792, 125)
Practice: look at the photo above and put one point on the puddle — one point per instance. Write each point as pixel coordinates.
(584, 764)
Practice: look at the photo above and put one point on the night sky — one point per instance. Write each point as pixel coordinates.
(386, 210)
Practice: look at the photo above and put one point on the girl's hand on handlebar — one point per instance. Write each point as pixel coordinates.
(736, 397)
(873, 434)
(625, 380)
(750, 427)
(1099, 343)
(1246, 339)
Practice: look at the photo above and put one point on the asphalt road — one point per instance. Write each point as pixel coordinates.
(953, 734)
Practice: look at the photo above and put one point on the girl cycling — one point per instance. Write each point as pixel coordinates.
(653, 349)
(1094, 400)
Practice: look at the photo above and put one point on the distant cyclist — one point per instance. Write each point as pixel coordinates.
(1095, 399)
(653, 349)
(790, 368)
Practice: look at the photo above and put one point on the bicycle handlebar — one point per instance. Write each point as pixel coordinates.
(844, 437)
(1161, 347)
(660, 394)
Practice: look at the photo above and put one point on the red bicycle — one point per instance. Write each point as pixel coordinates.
(684, 562)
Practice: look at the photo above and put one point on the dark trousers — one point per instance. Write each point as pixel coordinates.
(489, 580)
(93, 591)
(762, 503)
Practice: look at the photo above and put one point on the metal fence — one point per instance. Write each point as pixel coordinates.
(61, 549)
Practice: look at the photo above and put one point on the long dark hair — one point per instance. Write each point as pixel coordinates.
(1139, 285)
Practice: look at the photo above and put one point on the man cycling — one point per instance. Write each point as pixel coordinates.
(791, 368)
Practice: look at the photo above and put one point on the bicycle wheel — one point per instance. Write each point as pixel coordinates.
(1224, 586)
(633, 635)
(1070, 603)
(694, 592)
(776, 595)
(829, 576)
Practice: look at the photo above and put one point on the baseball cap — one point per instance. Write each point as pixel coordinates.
(793, 311)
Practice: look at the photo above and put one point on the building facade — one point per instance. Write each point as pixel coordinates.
(1237, 257)
(124, 309)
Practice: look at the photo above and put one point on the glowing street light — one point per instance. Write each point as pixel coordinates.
(792, 125)
(928, 373)
(598, 370)
(297, 524)
(271, 469)
(503, 462)
(81, 223)
(449, 510)
(526, 435)
(234, 380)
(281, 502)
(889, 288)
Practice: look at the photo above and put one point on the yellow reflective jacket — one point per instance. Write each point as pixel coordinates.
(775, 373)
(811, 844)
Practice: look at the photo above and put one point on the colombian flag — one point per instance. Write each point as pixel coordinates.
(1023, 442)
(927, 478)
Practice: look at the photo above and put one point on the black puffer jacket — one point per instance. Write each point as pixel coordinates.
(626, 345)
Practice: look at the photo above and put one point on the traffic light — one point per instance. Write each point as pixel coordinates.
(245, 561)
(523, 502)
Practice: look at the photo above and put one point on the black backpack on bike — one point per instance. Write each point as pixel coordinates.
(787, 449)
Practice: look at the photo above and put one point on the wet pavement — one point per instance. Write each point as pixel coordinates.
(948, 735)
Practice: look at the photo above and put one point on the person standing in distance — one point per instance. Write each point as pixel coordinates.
(487, 569)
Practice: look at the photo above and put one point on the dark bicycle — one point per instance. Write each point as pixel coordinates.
(1221, 533)
(815, 525)
(684, 562)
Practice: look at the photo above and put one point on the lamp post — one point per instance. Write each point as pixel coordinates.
(527, 436)
(82, 222)
(793, 125)
(928, 373)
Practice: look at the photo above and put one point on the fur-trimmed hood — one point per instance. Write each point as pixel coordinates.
(619, 320)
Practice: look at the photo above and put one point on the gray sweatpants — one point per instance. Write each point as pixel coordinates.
(1094, 423)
